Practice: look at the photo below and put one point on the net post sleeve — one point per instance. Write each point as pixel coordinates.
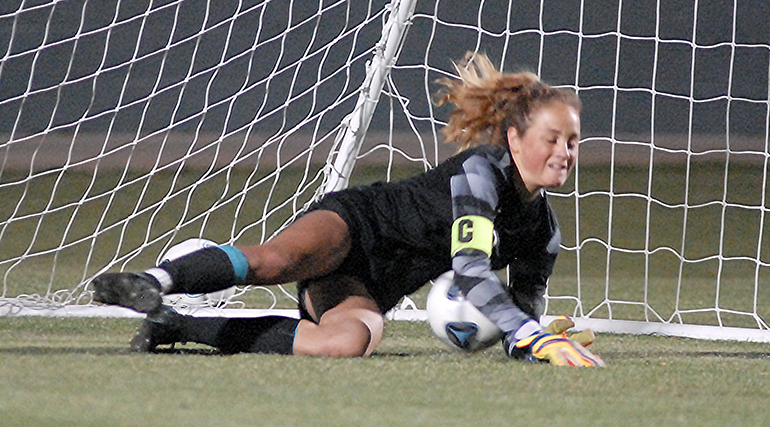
(357, 123)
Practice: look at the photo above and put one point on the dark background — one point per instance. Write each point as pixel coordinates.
(679, 69)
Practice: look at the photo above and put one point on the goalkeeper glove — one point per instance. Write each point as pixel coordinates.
(561, 324)
(554, 349)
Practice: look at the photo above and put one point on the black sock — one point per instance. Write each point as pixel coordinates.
(203, 271)
(268, 334)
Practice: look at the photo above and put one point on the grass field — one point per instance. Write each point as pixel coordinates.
(80, 372)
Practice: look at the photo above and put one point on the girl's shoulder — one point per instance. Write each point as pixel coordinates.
(484, 160)
(494, 156)
(495, 151)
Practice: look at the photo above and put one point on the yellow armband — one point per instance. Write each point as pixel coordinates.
(473, 232)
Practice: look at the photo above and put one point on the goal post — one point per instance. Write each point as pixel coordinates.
(128, 127)
(356, 125)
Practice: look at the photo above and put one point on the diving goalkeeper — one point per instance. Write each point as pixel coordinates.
(355, 253)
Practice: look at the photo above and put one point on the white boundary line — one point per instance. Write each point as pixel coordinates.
(121, 312)
(669, 329)
(598, 325)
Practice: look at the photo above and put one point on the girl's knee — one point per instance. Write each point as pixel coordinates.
(344, 333)
(358, 331)
(376, 325)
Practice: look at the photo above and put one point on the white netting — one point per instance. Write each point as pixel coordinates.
(132, 125)
(197, 117)
(663, 223)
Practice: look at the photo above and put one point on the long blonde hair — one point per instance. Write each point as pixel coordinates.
(488, 102)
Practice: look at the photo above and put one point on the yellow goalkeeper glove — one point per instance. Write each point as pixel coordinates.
(553, 346)
(554, 349)
(561, 324)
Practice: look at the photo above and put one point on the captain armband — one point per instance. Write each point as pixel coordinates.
(472, 232)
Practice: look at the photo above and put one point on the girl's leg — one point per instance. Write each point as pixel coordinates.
(340, 319)
(314, 245)
(268, 334)
(346, 320)
(351, 329)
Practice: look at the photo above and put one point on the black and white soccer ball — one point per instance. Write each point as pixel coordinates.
(193, 300)
(457, 322)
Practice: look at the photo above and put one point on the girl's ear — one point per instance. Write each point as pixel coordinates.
(514, 142)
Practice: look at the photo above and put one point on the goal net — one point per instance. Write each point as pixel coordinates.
(128, 127)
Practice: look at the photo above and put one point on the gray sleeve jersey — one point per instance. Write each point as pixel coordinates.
(494, 228)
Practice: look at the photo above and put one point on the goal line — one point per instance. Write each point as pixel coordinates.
(127, 127)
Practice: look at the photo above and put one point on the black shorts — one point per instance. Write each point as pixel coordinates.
(389, 257)
(327, 292)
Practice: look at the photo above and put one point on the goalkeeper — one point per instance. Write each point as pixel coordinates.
(355, 253)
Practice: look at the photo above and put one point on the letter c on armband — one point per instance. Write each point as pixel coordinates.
(472, 232)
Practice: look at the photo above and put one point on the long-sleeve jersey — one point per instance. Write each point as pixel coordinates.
(466, 215)
(522, 236)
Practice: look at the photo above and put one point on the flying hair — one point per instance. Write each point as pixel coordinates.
(488, 102)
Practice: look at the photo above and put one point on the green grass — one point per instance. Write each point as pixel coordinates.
(79, 372)
(76, 372)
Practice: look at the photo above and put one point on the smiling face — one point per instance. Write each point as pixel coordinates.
(546, 153)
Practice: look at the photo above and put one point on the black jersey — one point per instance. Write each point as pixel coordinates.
(402, 235)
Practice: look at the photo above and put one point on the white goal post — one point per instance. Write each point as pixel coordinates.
(129, 126)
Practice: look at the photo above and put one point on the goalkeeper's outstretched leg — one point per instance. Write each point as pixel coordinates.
(340, 318)
(314, 246)
(350, 330)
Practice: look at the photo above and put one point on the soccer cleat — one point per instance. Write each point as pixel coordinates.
(139, 292)
(157, 329)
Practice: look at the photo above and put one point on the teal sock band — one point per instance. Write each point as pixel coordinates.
(239, 261)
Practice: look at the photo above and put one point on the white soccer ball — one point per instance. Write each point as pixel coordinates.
(185, 300)
(193, 300)
(185, 248)
(457, 322)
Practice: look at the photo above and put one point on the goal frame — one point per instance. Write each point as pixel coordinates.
(379, 91)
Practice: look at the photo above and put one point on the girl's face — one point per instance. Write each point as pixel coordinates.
(546, 153)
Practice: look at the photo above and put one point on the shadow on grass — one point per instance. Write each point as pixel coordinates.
(43, 350)
(187, 351)
(102, 351)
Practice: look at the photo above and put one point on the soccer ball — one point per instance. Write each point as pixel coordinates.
(193, 300)
(457, 322)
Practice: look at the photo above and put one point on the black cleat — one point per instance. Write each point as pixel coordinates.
(157, 329)
(139, 292)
